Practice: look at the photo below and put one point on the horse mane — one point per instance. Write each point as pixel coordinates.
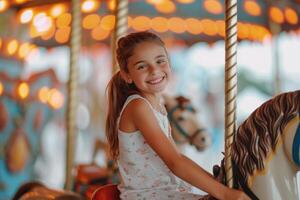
(257, 136)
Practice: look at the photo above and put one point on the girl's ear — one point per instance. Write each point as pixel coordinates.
(125, 76)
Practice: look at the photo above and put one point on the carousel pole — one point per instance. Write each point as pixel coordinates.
(275, 29)
(121, 14)
(230, 83)
(75, 43)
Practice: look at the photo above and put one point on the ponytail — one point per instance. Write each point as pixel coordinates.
(117, 92)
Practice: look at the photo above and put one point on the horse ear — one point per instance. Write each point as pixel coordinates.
(169, 101)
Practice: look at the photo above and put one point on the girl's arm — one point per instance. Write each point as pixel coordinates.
(144, 120)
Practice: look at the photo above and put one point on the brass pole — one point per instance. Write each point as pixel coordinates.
(121, 14)
(75, 43)
(230, 83)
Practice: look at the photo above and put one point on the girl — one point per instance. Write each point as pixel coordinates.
(138, 130)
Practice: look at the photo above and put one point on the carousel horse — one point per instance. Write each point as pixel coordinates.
(266, 150)
(186, 128)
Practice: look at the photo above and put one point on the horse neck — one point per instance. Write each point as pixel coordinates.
(278, 180)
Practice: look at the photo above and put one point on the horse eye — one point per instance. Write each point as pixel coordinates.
(180, 118)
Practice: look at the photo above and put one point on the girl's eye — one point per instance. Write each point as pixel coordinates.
(141, 67)
(161, 61)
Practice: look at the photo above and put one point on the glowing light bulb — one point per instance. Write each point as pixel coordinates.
(23, 90)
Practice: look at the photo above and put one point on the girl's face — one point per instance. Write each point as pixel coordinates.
(149, 68)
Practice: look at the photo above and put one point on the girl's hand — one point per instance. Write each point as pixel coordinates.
(233, 194)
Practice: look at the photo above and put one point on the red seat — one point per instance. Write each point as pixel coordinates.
(106, 192)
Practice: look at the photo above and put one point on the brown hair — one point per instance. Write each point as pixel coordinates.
(117, 89)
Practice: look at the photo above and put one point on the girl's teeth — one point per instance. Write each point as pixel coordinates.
(155, 81)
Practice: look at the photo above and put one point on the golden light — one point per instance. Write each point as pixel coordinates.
(26, 16)
(213, 6)
(33, 32)
(185, 1)
(43, 94)
(243, 31)
(90, 6)
(48, 34)
(221, 27)
(276, 15)
(23, 90)
(267, 33)
(3, 5)
(20, 1)
(193, 26)
(260, 33)
(291, 16)
(1, 88)
(108, 22)
(159, 24)
(12, 47)
(0, 43)
(252, 8)
(63, 20)
(176, 24)
(209, 27)
(166, 6)
(129, 21)
(99, 33)
(111, 5)
(141, 23)
(38, 17)
(24, 50)
(62, 35)
(154, 2)
(57, 10)
(55, 98)
(90, 21)
(253, 32)
(44, 24)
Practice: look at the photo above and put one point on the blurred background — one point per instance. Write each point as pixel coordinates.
(34, 71)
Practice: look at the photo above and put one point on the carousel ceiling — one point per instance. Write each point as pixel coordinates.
(47, 22)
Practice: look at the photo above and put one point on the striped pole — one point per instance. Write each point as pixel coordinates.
(75, 43)
(275, 29)
(230, 83)
(121, 14)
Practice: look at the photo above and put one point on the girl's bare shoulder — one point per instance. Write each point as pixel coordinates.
(135, 109)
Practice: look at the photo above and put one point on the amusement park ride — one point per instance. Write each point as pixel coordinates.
(269, 137)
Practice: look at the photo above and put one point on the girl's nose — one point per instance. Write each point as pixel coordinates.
(153, 69)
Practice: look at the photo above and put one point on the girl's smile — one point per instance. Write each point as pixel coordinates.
(156, 81)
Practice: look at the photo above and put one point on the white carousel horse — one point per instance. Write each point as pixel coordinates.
(266, 150)
(186, 128)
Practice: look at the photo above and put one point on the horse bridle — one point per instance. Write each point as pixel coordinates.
(179, 128)
(296, 145)
(237, 176)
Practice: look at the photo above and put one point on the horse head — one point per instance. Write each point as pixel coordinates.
(186, 128)
(266, 150)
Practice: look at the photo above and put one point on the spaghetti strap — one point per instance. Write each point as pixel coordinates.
(137, 96)
(132, 97)
(128, 100)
